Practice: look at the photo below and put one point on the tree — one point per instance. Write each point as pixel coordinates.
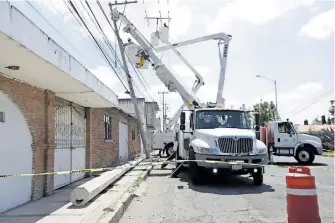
(266, 113)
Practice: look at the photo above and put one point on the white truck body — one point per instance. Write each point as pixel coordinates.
(212, 142)
(283, 139)
(224, 143)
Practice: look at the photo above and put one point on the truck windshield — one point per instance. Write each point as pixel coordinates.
(211, 119)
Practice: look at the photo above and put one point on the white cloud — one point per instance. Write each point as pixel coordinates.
(296, 99)
(181, 22)
(321, 26)
(310, 86)
(257, 12)
(184, 71)
(105, 75)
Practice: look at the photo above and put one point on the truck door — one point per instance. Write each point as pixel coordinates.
(285, 138)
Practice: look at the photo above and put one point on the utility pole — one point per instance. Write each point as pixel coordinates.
(163, 93)
(131, 89)
(166, 107)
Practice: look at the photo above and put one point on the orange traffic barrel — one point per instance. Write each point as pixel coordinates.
(301, 196)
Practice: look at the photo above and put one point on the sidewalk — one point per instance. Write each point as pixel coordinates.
(106, 207)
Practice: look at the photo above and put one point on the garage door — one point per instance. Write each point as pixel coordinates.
(70, 139)
(15, 155)
(123, 142)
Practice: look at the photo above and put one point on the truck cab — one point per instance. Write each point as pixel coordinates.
(283, 139)
(225, 135)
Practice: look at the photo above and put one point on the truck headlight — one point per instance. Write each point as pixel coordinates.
(261, 151)
(205, 150)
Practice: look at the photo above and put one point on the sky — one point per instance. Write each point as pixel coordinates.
(290, 41)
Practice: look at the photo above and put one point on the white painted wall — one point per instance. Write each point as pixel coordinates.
(15, 156)
(123, 143)
(127, 106)
(151, 110)
(17, 26)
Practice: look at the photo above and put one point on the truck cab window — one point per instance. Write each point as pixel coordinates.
(211, 119)
(285, 127)
(282, 127)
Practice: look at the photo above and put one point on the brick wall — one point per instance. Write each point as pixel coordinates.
(105, 152)
(36, 106)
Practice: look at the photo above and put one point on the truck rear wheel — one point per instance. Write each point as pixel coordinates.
(305, 156)
(194, 171)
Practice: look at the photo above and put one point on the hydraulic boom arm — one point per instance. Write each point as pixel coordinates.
(224, 40)
(162, 72)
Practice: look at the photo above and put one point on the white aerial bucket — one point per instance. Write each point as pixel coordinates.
(133, 50)
(154, 39)
(164, 34)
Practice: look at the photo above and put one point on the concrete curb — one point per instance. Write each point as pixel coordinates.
(120, 207)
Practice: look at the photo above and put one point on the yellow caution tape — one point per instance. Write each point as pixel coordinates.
(155, 163)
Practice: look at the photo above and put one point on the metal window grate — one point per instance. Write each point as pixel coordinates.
(2, 116)
(108, 127)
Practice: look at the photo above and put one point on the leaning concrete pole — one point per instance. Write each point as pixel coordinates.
(132, 93)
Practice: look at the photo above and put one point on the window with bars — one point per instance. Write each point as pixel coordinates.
(108, 127)
(133, 133)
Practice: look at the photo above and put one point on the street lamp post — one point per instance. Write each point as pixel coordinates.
(275, 82)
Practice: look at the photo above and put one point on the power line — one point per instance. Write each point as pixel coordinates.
(76, 11)
(33, 7)
(321, 97)
(136, 70)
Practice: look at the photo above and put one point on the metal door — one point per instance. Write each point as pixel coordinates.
(123, 142)
(70, 140)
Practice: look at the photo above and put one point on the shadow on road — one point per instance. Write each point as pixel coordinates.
(226, 184)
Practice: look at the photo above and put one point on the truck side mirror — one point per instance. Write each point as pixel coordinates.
(182, 121)
(182, 118)
(256, 122)
(182, 127)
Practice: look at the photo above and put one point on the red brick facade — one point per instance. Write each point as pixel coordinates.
(38, 107)
(103, 152)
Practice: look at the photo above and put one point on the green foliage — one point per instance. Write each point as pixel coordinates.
(266, 113)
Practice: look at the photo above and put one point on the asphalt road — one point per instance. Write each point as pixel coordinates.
(230, 199)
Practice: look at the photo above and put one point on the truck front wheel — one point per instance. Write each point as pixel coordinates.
(194, 171)
(305, 156)
(258, 178)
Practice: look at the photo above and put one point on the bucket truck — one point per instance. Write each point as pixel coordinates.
(164, 141)
(214, 132)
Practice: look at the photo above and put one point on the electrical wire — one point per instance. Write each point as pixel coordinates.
(108, 43)
(314, 102)
(78, 14)
(33, 7)
(136, 70)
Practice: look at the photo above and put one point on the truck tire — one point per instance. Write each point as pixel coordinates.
(305, 155)
(258, 179)
(194, 171)
(169, 149)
